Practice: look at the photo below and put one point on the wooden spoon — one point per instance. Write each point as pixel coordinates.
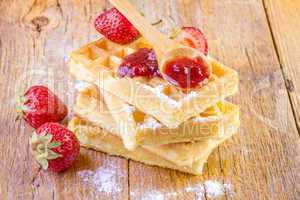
(165, 48)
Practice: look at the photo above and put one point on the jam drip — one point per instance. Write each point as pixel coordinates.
(143, 63)
(185, 72)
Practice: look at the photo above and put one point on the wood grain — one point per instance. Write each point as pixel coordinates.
(285, 26)
(260, 162)
(36, 39)
(243, 40)
(261, 159)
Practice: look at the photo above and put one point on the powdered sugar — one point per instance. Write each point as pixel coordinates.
(104, 179)
(153, 195)
(128, 109)
(150, 123)
(205, 119)
(158, 91)
(160, 88)
(81, 85)
(212, 189)
(197, 189)
(163, 97)
(190, 95)
(228, 189)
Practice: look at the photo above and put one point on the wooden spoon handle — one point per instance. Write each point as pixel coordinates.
(160, 42)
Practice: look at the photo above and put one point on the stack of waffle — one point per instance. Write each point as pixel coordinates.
(150, 120)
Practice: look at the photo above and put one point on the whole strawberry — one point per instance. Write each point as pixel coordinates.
(54, 147)
(115, 27)
(39, 105)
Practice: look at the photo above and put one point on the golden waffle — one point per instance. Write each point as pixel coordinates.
(98, 62)
(181, 154)
(134, 127)
(94, 137)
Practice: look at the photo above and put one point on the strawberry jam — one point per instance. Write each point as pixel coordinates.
(186, 72)
(143, 62)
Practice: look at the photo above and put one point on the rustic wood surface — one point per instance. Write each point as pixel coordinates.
(259, 38)
(284, 18)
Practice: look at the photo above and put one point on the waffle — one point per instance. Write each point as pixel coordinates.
(137, 128)
(93, 110)
(98, 62)
(94, 137)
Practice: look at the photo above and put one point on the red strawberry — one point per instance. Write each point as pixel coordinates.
(39, 105)
(115, 27)
(193, 37)
(54, 147)
(143, 62)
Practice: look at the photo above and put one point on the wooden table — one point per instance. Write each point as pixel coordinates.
(259, 38)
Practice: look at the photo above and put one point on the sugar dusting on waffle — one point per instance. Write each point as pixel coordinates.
(191, 95)
(88, 59)
(158, 91)
(81, 85)
(160, 88)
(163, 97)
(150, 123)
(128, 109)
(205, 119)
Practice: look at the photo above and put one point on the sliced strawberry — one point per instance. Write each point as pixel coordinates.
(115, 27)
(193, 37)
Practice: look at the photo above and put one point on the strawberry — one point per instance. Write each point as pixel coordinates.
(192, 37)
(39, 105)
(54, 147)
(143, 62)
(115, 27)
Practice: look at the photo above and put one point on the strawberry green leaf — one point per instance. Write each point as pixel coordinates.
(34, 137)
(54, 145)
(22, 99)
(46, 138)
(40, 149)
(52, 155)
(44, 163)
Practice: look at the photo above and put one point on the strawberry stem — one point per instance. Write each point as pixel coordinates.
(20, 107)
(42, 146)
